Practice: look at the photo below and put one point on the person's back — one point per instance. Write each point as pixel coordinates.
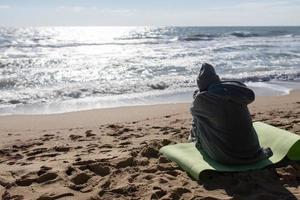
(222, 124)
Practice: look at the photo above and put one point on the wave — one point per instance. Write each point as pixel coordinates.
(139, 37)
(261, 47)
(265, 78)
(244, 34)
(141, 40)
(239, 34)
(195, 38)
(7, 83)
(75, 44)
(201, 36)
(158, 86)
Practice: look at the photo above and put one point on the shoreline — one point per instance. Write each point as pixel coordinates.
(118, 114)
(155, 97)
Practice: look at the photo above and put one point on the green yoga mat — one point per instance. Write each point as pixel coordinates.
(282, 143)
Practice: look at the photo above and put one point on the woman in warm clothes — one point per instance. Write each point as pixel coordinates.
(222, 124)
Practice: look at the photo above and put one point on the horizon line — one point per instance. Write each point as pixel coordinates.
(21, 26)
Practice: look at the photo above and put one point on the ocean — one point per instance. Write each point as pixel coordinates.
(47, 70)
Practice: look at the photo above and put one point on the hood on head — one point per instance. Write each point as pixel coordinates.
(207, 77)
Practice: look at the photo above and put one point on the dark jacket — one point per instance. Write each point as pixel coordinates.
(222, 124)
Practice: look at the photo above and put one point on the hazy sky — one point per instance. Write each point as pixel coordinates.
(149, 12)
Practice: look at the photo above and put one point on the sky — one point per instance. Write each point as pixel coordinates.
(149, 12)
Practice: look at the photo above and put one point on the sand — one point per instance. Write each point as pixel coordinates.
(113, 154)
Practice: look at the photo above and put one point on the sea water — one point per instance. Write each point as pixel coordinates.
(60, 69)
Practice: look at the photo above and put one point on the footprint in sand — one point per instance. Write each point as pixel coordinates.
(84, 182)
(158, 193)
(92, 145)
(47, 137)
(125, 143)
(84, 175)
(81, 178)
(109, 146)
(43, 169)
(127, 190)
(38, 177)
(6, 179)
(75, 137)
(89, 133)
(151, 169)
(120, 131)
(114, 126)
(180, 193)
(53, 196)
(7, 196)
(62, 148)
(174, 173)
(163, 159)
(123, 162)
(143, 161)
(37, 151)
(46, 177)
(100, 169)
(70, 170)
(150, 152)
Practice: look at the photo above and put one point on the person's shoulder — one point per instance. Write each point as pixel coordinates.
(232, 82)
(233, 90)
(225, 86)
(201, 96)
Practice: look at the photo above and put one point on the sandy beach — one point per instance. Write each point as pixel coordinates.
(113, 154)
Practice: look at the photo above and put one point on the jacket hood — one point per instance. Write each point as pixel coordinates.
(207, 76)
(232, 90)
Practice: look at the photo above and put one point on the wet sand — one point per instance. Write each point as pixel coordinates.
(113, 154)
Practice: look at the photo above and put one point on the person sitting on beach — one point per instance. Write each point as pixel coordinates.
(222, 125)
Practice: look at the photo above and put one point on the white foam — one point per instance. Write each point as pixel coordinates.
(268, 88)
(184, 95)
(147, 98)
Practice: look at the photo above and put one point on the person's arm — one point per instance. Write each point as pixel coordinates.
(192, 136)
(195, 93)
